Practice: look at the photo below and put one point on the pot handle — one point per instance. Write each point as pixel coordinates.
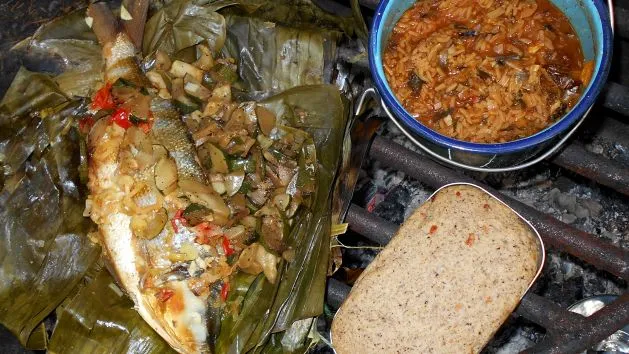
(610, 7)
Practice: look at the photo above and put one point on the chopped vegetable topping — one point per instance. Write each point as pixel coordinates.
(164, 294)
(227, 247)
(85, 124)
(224, 291)
(121, 117)
(178, 217)
(103, 98)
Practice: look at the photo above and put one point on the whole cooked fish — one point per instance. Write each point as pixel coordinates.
(134, 175)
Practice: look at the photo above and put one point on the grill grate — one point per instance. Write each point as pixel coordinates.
(566, 332)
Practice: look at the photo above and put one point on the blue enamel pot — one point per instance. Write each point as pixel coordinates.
(591, 20)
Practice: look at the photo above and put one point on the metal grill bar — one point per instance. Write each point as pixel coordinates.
(616, 98)
(555, 233)
(586, 333)
(622, 21)
(595, 167)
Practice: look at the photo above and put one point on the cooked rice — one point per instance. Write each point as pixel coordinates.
(486, 71)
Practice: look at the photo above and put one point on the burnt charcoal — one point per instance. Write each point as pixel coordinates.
(393, 206)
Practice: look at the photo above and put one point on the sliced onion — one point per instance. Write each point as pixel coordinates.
(218, 183)
(233, 182)
(281, 201)
(162, 61)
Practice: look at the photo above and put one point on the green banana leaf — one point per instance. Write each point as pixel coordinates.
(182, 24)
(115, 328)
(302, 14)
(67, 47)
(274, 58)
(43, 249)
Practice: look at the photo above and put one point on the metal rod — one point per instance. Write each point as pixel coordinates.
(336, 293)
(548, 314)
(588, 332)
(372, 227)
(371, 4)
(555, 233)
(595, 167)
(616, 98)
(622, 21)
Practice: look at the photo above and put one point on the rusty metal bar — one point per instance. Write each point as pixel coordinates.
(616, 98)
(336, 293)
(548, 314)
(595, 167)
(622, 21)
(588, 332)
(371, 4)
(555, 233)
(372, 227)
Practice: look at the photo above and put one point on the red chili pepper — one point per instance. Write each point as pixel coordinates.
(103, 98)
(85, 124)
(224, 291)
(121, 117)
(164, 294)
(227, 247)
(178, 216)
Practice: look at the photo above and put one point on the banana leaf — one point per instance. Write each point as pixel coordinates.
(115, 328)
(41, 206)
(274, 58)
(304, 14)
(267, 308)
(66, 47)
(182, 24)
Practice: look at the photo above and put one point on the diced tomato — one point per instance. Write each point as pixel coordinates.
(164, 294)
(103, 98)
(178, 217)
(227, 247)
(121, 117)
(85, 124)
(145, 126)
(224, 291)
(433, 229)
(204, 231)
(470, 239)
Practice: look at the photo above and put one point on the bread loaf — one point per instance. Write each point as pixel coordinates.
(445, 283)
